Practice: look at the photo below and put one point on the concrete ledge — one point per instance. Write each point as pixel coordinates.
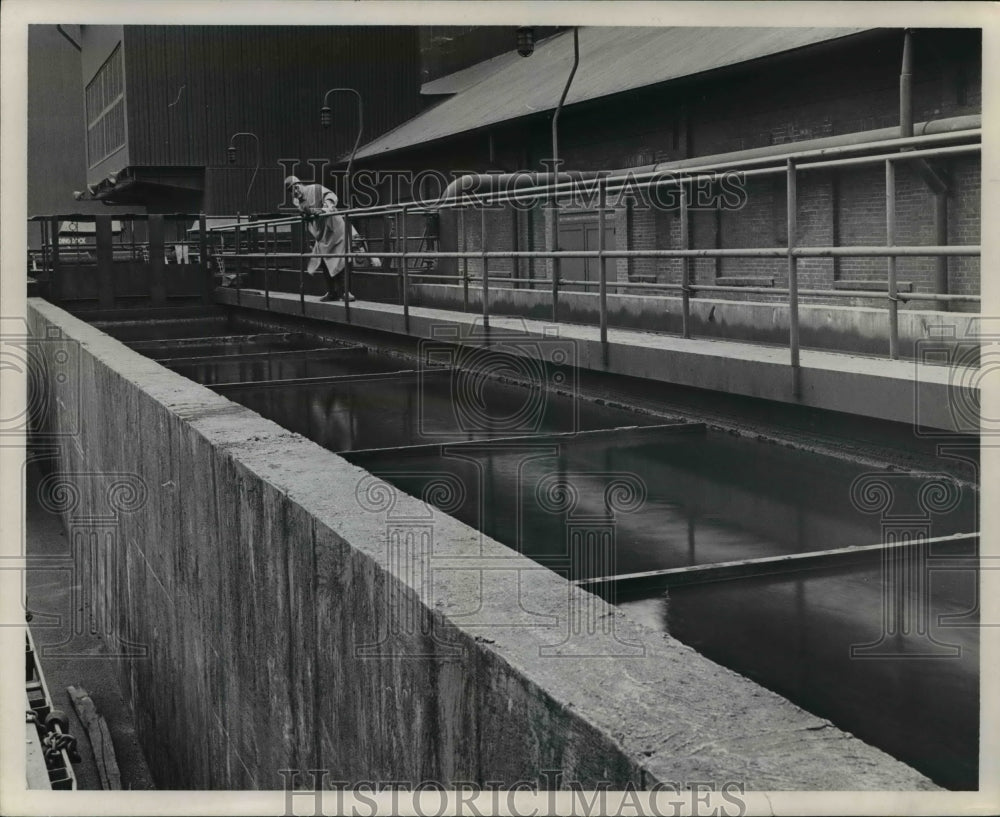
(932, 398)
(860, 329)
(300, 614)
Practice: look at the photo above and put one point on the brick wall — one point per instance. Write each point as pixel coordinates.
(839, 87)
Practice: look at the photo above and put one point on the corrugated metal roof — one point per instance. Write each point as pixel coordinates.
(612, 60)
(467, 77)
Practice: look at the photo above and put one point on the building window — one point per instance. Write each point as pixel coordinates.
(105, 98)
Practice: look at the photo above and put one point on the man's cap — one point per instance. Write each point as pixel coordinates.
(290, 180)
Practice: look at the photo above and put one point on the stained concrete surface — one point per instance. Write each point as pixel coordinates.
(275, 538)
(74, 659)
(928, 396)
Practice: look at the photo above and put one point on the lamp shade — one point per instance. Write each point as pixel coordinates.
(525, 40)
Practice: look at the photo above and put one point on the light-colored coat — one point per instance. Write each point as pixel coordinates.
(327, 230)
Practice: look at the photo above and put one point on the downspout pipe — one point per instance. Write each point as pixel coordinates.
(554, 238)
(73, 42)
(906, 87)
(938, 186)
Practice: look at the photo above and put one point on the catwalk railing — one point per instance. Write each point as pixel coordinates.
(397, 243)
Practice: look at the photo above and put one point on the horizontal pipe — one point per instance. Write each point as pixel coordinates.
(541, 183)
(283, 354)
(764, 565)
(316, 381)
(575, 437)
(919, 251)
(895, 157)
(828, 293)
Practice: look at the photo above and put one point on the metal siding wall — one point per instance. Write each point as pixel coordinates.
(268, 80)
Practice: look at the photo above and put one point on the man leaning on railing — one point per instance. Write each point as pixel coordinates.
(328, 230)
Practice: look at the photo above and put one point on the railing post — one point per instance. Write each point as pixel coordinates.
(55, 283)
(554, 244)
(105, 261)
(302, 264)
(890, 240)
(685, 265)
(44, 225)
(793, 272)
(465, 262)
(236, 260)
(486, 272)
(602, 260)
(267, 258)
(404, 237)
(157, 250)
(348, 246)
(206, 265)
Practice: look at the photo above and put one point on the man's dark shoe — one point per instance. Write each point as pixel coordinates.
(328, 297)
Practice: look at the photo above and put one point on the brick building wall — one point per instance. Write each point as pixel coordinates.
(835, 88)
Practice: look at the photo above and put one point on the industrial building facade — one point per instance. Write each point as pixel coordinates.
(313, 609)
(161, 103)
(657, 98)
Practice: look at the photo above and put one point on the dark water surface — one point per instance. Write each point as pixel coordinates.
(716, 498)
(162, 330)
(707, 498)
(228, 345)
(914, 696)
(671, 500)
(285, 367)
(422, 409)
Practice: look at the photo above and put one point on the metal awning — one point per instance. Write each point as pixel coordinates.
(612, 60)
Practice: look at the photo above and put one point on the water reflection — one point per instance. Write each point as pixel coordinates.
(421, 409)
(706, 498)
(794, 635)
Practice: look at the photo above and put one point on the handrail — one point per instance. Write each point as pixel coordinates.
(555, 188)
(644, 179)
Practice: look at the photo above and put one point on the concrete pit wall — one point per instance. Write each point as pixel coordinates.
(855, 329)
(298, 615)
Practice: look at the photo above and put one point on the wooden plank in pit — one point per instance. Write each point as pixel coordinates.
(100, 737)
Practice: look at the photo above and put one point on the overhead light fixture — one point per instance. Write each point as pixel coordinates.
(526, 40)
(325, 116)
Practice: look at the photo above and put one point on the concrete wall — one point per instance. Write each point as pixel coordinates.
(849, 329)
(255, 567)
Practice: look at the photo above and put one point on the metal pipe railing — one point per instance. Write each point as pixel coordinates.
(793, 163)
(912, 251)
(403, 268)
(792, 212)
(890, 239)
(603, 269)
(685, 217)
(486, 276)
(645, 179)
